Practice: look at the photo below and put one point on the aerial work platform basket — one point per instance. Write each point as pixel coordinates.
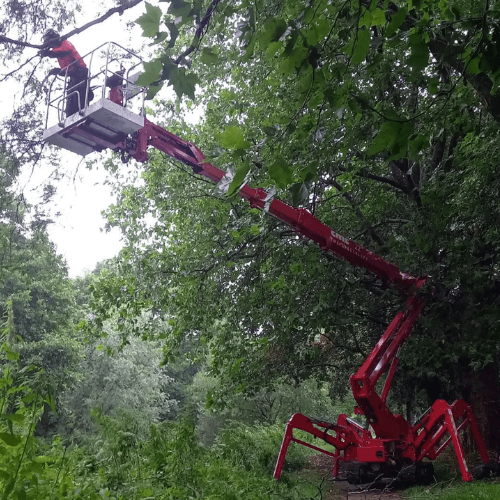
(110, 105)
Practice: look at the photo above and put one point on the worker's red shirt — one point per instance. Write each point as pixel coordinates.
(65, 61)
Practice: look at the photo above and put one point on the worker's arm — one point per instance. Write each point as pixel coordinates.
(49, 53)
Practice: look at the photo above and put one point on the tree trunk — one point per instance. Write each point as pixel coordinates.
(483, 394)
(440, 49)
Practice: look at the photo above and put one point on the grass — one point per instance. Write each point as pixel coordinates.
(450, 486)
(457, 490)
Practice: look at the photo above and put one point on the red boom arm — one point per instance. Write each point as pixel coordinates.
(309, 226)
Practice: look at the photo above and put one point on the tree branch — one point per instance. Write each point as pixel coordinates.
(116, 10)
(373, 234)
(18, 69)
(200, 32)
(385, 180)
(481, 82)
(438, 153)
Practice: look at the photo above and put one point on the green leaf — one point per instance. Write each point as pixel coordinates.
(153, 90)
(29, 398)
(151, 73)
(300, 193)
(10, 439)
(273, 29)
(10, 353)
(385, 138)
(15, 417)
(456, 12)
(209, 55)
(378, 17)
(174, 33)
(271, 131)
(180, 10)
(51, 402)
(160, 38)
(150, 21)
(280, 173)
(362, 46)
(473, 66)
(433, 85)
(420, 143)
(249, 50)
(232, 138)
(184, 83)
(295, 59)
(169, 69)
(209, 401)
(396, 21)
(239, 178)
(399, 146)
(419, 57)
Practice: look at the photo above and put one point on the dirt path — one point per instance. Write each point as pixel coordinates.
(321, 466)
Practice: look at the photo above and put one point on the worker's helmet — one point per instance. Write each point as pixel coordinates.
(50, 34)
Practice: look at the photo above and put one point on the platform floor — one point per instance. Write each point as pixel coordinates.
(102, 125)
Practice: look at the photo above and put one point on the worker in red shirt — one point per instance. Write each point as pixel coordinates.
(71, 65)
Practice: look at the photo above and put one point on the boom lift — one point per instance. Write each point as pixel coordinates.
(395, 448)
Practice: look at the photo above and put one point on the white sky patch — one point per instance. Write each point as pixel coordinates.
(78, 231)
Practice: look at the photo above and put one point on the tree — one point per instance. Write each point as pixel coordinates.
(35, 292)
(118, 380)
(33, 276)
(305, 97)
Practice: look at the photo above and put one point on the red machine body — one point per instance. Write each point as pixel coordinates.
(393, 447)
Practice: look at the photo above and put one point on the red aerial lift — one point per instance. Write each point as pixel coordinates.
(393, 448)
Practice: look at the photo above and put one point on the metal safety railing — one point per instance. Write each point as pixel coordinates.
(107, 65)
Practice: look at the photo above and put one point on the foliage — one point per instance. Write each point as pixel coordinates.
(381, 118)
(214, 407)
(177, 467)
(26, 18)
(21, 28)
(115, 379)
(306, 99)
(255, 447)
(22, 462)
(35, 277)
(32, 275)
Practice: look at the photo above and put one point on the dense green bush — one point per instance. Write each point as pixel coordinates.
(257, 447)
(171, 464)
